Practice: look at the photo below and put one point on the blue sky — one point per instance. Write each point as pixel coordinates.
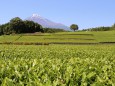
(85, 13)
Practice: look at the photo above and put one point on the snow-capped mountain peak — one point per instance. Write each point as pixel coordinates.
(46, 22)
(37, 16)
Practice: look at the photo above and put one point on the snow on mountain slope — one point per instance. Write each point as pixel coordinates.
(46, 22)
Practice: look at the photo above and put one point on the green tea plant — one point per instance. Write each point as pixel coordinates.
(57, 65)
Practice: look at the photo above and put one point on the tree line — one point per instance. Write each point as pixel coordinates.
(53, 30)
(103, 28)
(18, 26)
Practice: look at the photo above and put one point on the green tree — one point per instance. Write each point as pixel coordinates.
(31, 27)
(17, 25)
(38, 28)
(74, 27)
(1, 30)
(6, 29)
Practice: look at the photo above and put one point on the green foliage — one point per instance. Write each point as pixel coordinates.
(31, 27)
(5, 29)
(17, 26)
(57, 65)
(99, 29)
(53, 30)
(74, 27)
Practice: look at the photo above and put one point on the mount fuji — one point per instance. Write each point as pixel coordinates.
(46, 22)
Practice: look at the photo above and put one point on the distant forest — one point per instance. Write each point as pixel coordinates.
(18, 26)
(101, 28)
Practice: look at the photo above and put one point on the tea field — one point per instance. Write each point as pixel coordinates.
(60, 38)
(57, 65)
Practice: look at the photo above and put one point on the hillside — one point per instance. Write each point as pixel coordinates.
(61, 38)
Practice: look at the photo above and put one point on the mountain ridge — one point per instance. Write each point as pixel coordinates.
(46, 23)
